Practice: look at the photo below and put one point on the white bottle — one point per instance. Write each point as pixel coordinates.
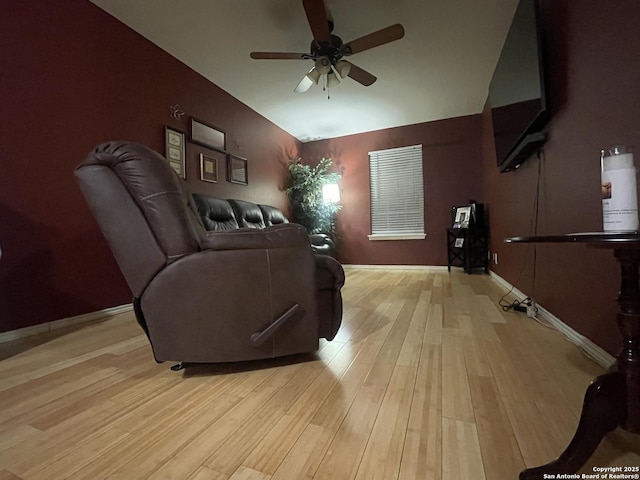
(619, 194)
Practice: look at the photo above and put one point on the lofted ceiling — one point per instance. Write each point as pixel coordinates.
(440, 69)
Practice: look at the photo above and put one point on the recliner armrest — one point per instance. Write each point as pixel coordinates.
(277, 236)
(320, 239)
(329, 271)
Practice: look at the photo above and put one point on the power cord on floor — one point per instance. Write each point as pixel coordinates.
(527, 306)
(518, 306)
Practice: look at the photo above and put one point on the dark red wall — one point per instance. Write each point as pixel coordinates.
(594, 74)
(71, 76)
(452, 169)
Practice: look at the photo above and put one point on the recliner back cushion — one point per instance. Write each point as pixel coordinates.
(247, 214)
(156, 189)
(215, 213)
(141, 207)
(272, 215)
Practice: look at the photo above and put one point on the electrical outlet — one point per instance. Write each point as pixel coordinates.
(495, 258)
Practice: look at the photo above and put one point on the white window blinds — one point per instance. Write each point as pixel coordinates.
(397, 193)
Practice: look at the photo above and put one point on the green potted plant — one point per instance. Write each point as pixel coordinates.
(306, 196)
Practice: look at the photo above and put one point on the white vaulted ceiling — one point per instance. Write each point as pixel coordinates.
(440, 69)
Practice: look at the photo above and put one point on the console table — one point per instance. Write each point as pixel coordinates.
(612, 399)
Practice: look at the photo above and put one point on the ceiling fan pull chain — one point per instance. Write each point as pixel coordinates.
(325, 85)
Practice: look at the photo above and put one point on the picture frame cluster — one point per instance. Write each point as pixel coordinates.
(212, 160)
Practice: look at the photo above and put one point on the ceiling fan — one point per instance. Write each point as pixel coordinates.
(328, 51)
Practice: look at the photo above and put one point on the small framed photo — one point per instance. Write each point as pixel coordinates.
(207, 135)
(175, 150)
(208, 168)
(237, 170)
(463, 215)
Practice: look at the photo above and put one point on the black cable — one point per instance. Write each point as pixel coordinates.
(535, 220)
(521, 306)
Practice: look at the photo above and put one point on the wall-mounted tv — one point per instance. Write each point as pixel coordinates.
(517, 91)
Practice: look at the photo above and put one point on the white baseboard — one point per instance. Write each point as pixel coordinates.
(599, 355)
(393, 267)
(64, 322)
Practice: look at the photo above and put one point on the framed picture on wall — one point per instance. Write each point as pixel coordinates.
(209, 167)
(175, 150)
(237, 170)
(207, 135)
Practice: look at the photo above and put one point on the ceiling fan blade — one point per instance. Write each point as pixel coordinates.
(277, 56)
(359, 75)
(386, 35)
(318, 20)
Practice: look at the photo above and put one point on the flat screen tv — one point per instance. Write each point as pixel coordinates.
(517, 90)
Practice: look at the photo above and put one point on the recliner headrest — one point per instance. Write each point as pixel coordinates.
(248, 214)
(216, 213)
(272, 215)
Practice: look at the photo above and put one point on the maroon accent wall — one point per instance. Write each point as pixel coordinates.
(594, 74)
(452, 169)
(72, 77)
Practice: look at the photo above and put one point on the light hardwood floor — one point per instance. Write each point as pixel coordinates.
(427, 379)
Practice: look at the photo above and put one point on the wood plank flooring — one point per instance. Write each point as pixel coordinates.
(427, 379)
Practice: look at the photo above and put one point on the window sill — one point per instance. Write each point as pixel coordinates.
(397, 236)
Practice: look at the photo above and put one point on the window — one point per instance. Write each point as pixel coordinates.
(397, 194)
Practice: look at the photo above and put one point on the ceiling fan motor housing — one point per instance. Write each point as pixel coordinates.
(333, 50)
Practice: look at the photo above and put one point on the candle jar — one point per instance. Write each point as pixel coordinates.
(619, 195)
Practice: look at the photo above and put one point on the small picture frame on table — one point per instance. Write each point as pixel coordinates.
(209, 167)
(207, 135)
(175, 150)
(237, 170)
(463, 215)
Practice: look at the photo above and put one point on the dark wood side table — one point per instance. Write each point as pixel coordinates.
(467, 248)
(612, 399)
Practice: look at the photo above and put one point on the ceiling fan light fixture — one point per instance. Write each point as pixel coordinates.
(323, 65)
(332, 80)
(314, 75)
(343, 68)
(304, 85)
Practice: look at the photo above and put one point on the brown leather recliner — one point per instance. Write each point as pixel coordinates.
(207, 296)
